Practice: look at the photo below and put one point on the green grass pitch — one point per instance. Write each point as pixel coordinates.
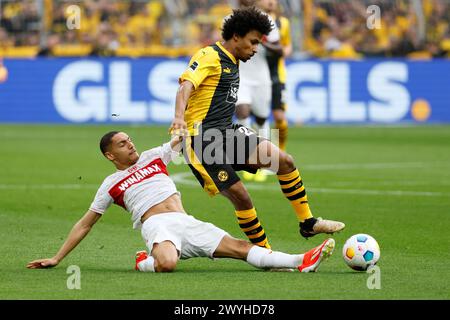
(390, 182)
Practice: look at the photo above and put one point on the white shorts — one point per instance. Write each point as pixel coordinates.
(191, 237)
(258, 97)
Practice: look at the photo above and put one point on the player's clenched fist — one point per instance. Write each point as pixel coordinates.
(178, 127)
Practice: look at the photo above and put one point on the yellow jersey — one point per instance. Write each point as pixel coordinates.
(214, 72)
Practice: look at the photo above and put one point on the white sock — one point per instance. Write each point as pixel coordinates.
(147, 265)
(245, 122)
(265, 258)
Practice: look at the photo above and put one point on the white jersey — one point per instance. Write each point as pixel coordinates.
(139, 187)
(256, 70)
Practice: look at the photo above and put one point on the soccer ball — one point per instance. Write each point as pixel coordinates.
(361, 251)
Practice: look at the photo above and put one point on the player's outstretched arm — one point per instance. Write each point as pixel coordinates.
(175, 143)
(178, 125)
(78, 232)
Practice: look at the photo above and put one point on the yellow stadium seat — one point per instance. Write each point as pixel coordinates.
(155, 51)
(346, 51)
(19, 52)
(133, 52)
(72, 50)
(419, 55)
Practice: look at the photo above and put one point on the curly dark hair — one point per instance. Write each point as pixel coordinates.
(242, 21)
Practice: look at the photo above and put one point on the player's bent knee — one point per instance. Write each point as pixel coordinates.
(165, 255)
(242, 111)
(167, 264)
(287, 164)
(278, 115)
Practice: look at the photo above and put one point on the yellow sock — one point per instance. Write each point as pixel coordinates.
(282, 127)
(293, 189)
(250, 225)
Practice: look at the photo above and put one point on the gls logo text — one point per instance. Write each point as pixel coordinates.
(94, 91)
(314, 97)
(79, 96)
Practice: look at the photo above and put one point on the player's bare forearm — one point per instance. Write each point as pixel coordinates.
(181, 99)
(183, 94)
(78, 232)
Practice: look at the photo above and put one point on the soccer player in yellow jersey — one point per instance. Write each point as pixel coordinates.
(215, 148)
(278, 75)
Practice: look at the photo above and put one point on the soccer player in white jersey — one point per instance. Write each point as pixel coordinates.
(255, 87)
(142, 186)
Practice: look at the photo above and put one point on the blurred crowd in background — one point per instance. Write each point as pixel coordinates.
(319, 28)
(413, 28)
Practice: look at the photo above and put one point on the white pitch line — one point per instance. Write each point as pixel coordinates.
(369, 166)
(381, 192)
(181, 178)
(390, 183)
(366, 166)
(186, 178)
(47, 186)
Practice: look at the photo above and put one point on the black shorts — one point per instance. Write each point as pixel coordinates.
(278, 96)
(214, 156)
